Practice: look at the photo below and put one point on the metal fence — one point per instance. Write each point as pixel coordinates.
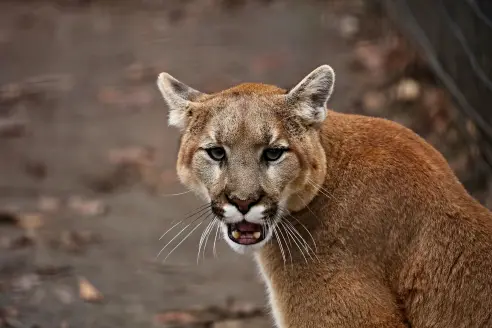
(456, 38)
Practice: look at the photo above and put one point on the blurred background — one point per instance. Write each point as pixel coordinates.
(87, 172)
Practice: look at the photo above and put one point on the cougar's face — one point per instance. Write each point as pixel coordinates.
(248, 151)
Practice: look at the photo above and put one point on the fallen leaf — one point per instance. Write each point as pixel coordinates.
(49, 204)
(88, 207)
(25, 282)
(175, 317)
(239, 309)
(88, 292)
(93, 208)
(245, 309)
(31, 221)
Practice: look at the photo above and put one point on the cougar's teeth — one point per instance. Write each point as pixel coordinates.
(236, 234)
(257, 235)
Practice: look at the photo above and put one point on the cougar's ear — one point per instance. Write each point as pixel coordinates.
(179, 98)
(310, 96)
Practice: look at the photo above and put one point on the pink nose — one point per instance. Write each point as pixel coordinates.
(243, 205)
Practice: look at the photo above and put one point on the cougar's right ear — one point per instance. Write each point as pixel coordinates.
(312, 93)
(179, 98)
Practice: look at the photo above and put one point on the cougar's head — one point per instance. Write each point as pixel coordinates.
(253, 151)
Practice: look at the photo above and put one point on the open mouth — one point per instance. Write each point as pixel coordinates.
(246, 233)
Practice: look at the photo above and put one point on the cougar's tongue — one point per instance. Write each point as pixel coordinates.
(248, 227)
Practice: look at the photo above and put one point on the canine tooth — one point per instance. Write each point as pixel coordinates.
(257, 235)
(236, 234)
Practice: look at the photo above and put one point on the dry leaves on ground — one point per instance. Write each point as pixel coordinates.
(25, 282)
(88, 292)
(175, 318)
(87, 207)
(31, 221)
(75, 241)
(49, 204)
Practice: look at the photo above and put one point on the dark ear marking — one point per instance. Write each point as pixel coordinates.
(178, 87)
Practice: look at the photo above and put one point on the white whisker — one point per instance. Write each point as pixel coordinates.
(301, 239)
(309, 208)
(199, 224)
(296, 242)
(215, 239)
(305, 228)
(199, 211)
(320, 188)
(165, 233)
(279, 243)
(202, 238)
(177, 194)
(309, 233)
(286, 246)
(179, 233)
(214, 221)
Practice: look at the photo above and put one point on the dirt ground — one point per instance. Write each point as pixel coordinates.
(87, 160)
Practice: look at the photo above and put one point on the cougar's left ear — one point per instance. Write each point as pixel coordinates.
(310, 96)
(179, 98)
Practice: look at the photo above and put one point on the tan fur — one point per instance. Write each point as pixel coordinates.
(396, 240)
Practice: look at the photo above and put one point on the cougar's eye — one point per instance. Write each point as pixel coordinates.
(273, 154)
(216, 153)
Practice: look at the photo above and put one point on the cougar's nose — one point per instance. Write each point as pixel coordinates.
(243, 205)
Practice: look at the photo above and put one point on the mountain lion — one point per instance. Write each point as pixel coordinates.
(354, 221)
